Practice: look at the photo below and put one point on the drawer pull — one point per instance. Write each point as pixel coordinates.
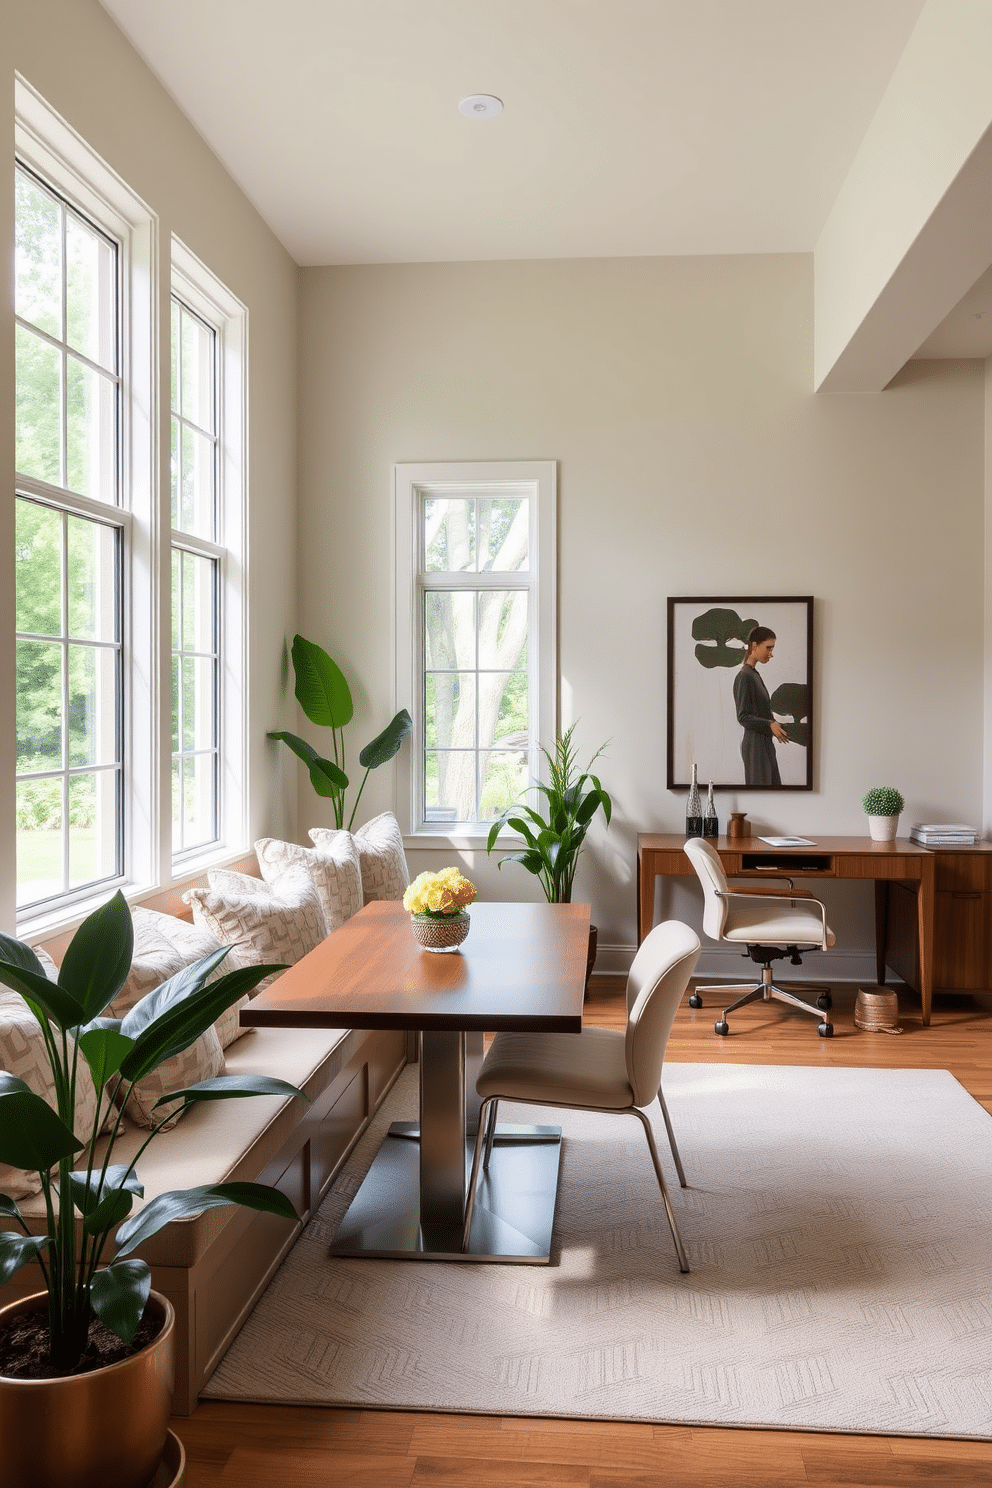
(966, 894)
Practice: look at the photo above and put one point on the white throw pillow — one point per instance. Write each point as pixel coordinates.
(23, 1053)
(244, 912)
(192, 944)
(201, 1061)
(331, 865)
(383, 862)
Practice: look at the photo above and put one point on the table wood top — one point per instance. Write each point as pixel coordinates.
(522, 966)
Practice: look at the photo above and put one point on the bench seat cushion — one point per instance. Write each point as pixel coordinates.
(226, 1140)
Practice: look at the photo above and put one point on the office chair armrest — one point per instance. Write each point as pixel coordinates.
(766, 889)
(785, 899)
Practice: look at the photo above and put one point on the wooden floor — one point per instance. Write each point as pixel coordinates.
(258, 1446)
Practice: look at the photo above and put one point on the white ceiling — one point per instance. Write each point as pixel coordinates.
(629, 127)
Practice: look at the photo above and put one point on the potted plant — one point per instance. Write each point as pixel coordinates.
(883, 803)
(553, 840)
(323, 693)
(63, 1418)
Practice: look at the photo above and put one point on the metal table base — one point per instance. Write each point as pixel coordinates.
(514, 1210)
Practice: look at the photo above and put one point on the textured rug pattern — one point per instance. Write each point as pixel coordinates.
(839, 1228)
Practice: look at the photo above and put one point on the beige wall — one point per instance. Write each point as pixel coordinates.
(676, 395)
(75, 57)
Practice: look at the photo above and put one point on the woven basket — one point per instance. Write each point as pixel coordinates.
(440, 935)
(877, 1011)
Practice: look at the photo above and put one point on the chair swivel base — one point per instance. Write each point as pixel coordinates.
(767, 990)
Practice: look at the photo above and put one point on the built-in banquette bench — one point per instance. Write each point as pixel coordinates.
(214, 1268)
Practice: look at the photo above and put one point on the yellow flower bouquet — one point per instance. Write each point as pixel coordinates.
(439, 895)
(436, 903)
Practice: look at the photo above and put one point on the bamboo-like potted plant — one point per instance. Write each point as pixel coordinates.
(106, 1423)
(883, 804)
(553, 835)
(323, 693)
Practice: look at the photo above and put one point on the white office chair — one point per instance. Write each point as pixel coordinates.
(769, 925)
(598, 1069)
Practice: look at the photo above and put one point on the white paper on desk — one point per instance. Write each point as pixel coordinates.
(787, 841)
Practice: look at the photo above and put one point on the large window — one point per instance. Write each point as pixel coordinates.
(207, 480)
(69, 548)
(475, 549)
(130, 616)
(195, 564)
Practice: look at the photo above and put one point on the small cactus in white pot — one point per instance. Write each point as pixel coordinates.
(883, 803)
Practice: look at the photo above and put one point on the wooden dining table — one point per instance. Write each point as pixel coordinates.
(521, 967)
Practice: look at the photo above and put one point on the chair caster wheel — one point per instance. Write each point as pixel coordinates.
(721, 1028)
(695, 1001)
(824, 1001)
(825, 1030)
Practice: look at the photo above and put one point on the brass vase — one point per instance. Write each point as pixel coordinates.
(105, 1429)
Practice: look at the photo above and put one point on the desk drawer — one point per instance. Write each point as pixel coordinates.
(962, 871)
(877, 866)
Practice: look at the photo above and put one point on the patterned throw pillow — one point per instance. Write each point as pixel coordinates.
(23, 1053)
(332, 866)
(244, 912)
(381, 856)
(153, 961)
(192, 944)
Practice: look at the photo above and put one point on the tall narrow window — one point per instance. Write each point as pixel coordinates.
(69, 548)
(476, 615)
(195, 583)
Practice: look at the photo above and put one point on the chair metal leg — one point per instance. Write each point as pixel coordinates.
(679, 1247)
(486, 1127)
(671, 1139)
(490, 1131)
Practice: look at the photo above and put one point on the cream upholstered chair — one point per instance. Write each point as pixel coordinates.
(598, 1069)
(768, 925)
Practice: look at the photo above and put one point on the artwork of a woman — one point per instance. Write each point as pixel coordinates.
(754, 712)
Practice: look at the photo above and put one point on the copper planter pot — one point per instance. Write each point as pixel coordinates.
(105, 1429)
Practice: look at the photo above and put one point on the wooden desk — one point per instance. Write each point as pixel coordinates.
(523, 966)
(883, 863)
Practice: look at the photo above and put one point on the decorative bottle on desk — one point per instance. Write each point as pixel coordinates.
(711, 826)
(694, 810)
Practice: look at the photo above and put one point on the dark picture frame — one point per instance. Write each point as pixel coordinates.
(707, 643)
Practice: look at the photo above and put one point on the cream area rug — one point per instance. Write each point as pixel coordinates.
(838, 1224)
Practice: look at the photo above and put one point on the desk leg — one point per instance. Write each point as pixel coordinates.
(645, 895)
(926, 908)
(881, 927)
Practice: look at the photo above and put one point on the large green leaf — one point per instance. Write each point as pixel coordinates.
(230, 1087)
(45, 999)
(328, 778)
(32, 1136)
(112, 1208)
(90, 1189)
(8, 1209)
(172, 992)
(16, 953)
(118, 1295)
(16, 1251)
(181, 1024)
(103, 1049)
(98, 959)
(387, 744)
(321, 688)
(187, 1203)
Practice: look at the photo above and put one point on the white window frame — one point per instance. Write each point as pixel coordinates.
(50, 148)
(200, 289)
(411, 484)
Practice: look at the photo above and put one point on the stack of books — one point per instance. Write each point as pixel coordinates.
(946, 834)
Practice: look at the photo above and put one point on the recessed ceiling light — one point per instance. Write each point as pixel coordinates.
(480, 106)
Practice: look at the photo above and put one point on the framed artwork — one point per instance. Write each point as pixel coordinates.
(744, 717)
